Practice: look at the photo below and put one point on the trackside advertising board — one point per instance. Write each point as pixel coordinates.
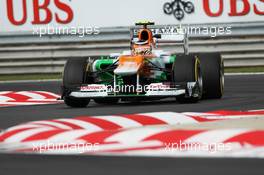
(24, 15)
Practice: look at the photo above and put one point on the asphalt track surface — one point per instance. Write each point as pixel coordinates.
(241, 93)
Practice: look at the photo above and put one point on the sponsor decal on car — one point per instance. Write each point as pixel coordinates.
(93, 88)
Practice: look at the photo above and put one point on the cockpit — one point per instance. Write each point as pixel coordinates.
(142, 43)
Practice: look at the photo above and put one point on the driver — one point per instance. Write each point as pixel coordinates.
(143, 46)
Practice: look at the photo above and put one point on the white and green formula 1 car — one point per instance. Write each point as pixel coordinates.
(144, 73)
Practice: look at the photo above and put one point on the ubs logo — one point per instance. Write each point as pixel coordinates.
(178, 8)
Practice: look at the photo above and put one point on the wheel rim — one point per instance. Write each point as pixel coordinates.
(222, 76)
(200, 80)
(198, 76)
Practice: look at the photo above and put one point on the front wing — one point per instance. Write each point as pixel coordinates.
(189, 89)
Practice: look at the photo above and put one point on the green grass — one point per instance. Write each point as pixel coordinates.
(245, 69)
(59, 75)
(30, 77)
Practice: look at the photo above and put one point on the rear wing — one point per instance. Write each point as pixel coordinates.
(166, 35)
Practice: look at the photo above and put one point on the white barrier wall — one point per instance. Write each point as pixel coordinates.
(24, 15)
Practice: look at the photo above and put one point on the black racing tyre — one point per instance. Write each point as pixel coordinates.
(73, 76)
(213, 75)
(106, 100)
(76, 102)
(74, 72)
(186, 68)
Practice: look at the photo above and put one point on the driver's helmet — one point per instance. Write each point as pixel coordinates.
(143, 44)
(145, 35)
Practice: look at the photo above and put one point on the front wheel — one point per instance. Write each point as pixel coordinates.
(186, 69)
(76, 103)
(73, 76)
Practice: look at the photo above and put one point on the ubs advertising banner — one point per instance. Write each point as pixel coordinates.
(24, 15)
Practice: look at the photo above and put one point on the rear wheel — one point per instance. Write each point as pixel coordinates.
(186, 68)
(73, 76)
(213, 75)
